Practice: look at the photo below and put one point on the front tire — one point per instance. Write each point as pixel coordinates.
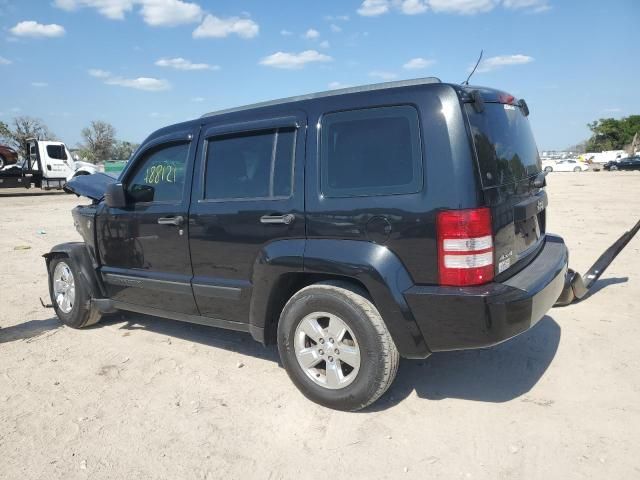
(2, 162)
(548, 169)
(577, 169)
(335, 346)
(69, 294)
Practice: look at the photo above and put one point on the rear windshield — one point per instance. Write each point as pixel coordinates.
(506, 149)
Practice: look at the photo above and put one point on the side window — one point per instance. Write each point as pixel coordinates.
(56, 152)
(250, 165)
(159, 176)
(374, 151)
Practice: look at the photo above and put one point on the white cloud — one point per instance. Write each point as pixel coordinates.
(39, 84)
(462, 7)
(293, 61)
(336, 85)
(158, 13)
(215, 27)
(311, 34)
(413, 7)
(34, 29)
(141, 83)
(198, 99)
(325, 44)
(373, 8)
(418, 63)
(286, 33)
(95, 72)
(533, 6)
(169, 13)
(113, 9)
(386, 76)
(5, 61)
(333, 18)
(493, 63)
(180, 63)
(335, 28)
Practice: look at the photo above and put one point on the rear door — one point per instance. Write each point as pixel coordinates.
(248, 192)
(508, 164)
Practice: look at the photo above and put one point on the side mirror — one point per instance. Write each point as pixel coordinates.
(115, 197)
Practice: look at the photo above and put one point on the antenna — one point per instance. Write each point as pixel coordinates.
(466, 82)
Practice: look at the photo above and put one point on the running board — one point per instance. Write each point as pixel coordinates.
(576, 286)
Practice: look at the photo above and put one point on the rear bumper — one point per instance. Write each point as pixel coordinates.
(454, 318)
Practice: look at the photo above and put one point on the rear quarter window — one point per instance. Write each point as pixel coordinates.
(374, 151)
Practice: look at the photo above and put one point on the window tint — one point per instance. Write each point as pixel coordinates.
(504, 142)
(371, 152)
(57, 152)
(250, 165)
(160, 175)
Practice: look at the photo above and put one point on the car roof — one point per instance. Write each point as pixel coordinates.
(329, 93)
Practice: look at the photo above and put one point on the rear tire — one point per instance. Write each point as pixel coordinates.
(548, 169)
(577, 169)
(335, 346)
(69, 294)
(2, 162)
(613, 168)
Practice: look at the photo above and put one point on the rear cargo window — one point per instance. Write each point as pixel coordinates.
(504, 143)
(374, 151)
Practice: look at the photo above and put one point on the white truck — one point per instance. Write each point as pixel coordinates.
(48, 165)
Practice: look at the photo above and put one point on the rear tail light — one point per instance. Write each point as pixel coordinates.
(465, 247)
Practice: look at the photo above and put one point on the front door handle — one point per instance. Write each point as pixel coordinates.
(287, 219)
(177, 221)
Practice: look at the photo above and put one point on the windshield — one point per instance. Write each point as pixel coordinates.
(504, 143)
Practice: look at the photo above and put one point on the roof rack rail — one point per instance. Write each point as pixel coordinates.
(330, 93)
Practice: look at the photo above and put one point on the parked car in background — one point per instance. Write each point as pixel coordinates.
(567, 166)
(630, 163)
(8, 156)
(548, 165)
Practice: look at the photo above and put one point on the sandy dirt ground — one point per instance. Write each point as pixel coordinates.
(144, 398)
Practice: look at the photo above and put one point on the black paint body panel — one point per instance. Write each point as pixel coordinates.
(224, 267)
(453, 318)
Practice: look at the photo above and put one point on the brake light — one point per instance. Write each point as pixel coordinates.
(465, 247)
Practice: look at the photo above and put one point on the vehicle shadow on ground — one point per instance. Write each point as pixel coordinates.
(28, 330)
(238, 342)
(497, 374)
(603, 283)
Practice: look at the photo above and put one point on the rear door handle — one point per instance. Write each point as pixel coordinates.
(286, 219)
(177, 221)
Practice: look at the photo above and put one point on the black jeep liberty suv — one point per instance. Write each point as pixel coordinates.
(351, 227)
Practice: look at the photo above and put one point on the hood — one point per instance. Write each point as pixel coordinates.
(91, 186)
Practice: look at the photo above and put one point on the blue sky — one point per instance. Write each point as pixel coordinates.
(142, 64)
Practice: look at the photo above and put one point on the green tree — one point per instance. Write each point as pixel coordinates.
(612, 134)
(123, 150)
(99, 139)
(25, 128)
(5, 133)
